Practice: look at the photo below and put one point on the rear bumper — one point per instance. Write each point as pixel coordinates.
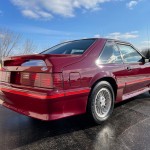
(44, 104)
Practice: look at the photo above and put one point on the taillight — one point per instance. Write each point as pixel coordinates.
(37, 79)
(58, 80)
(44, 80)
(5, 76)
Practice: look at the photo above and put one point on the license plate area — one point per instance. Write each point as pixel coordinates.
(15, 78)
(25, 78)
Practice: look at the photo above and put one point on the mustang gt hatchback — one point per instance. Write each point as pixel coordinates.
(72, 78)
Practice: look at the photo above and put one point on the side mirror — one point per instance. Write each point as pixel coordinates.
(146, 60)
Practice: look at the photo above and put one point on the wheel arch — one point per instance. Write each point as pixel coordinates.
(110, 80)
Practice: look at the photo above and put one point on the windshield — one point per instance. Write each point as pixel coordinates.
(73, 47)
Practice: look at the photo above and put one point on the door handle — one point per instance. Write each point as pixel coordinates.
(129, 68)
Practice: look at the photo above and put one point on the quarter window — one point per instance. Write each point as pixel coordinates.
(110, 54)
(129, 54)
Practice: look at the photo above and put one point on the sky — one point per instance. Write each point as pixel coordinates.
(49, 22)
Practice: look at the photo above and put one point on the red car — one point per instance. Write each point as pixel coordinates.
(75, 77)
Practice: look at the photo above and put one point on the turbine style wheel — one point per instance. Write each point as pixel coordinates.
(101, 102)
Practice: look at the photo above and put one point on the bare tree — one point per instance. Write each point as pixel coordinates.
(28, 47)
(8, 42)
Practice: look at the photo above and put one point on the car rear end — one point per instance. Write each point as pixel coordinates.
(33, 85)
(29, 86)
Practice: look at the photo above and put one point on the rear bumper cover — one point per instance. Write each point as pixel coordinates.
(44, 104)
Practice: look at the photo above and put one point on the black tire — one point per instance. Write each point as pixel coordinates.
(95, 99)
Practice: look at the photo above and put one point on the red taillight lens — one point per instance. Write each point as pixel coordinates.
(57, 80)
(35, 79)
(43, 80)
(46, 80)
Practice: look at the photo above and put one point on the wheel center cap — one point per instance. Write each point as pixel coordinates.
(102, 101)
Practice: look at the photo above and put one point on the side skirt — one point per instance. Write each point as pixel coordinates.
(135, 93)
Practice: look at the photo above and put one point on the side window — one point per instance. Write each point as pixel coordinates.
(130, 55)
(110, 54)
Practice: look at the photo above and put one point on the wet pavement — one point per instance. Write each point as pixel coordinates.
(127, 129)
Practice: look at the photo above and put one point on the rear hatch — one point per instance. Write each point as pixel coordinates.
(30, 70)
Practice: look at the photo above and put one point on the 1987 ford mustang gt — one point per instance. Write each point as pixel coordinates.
(75, 77)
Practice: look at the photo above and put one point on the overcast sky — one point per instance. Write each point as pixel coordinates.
(48, 22)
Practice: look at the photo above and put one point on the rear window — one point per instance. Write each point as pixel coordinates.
(73, 47)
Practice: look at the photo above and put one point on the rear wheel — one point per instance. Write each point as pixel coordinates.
(101, 102)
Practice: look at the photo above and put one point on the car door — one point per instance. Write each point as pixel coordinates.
(133, 61)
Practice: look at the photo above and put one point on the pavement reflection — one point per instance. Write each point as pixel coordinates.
(128, 128)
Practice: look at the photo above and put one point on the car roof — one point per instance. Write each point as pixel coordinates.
(107, 39)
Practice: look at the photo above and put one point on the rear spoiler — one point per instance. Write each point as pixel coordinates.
(18, 60)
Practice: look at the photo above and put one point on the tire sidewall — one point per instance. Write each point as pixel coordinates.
(97, 88)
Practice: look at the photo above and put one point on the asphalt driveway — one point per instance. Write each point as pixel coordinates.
(127, 129)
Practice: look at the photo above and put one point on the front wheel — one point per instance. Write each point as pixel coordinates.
(101, 102)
